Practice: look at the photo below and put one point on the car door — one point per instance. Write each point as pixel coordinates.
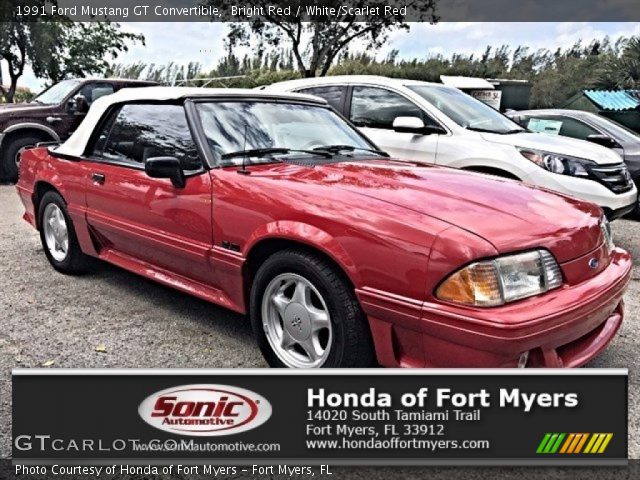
(373, 109)
(146, 218)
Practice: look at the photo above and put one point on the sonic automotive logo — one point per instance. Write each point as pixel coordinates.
(205, 410)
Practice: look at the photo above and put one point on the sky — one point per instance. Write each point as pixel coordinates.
(203, 42)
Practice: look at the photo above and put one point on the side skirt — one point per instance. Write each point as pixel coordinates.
(170, 279)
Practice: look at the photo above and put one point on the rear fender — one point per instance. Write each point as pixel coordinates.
(42, 171)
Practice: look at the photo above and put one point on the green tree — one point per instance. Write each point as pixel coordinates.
(622, 71)
(56, 48)
(315, 45)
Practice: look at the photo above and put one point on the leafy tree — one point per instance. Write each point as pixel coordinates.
(56, 48)
(315, 45)
(622, 71)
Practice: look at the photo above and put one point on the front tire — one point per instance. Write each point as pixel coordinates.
(11, 155)
(58, 236)
(305, 314)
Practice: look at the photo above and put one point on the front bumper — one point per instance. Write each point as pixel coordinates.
(584, 189)
(566, 327)
(621, 212)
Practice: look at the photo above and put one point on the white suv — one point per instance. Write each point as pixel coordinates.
(433, 123)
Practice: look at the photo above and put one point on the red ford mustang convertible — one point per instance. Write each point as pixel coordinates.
(275, 206)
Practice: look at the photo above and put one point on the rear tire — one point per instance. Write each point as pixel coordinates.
(58, 236)
(10, 152)
(328, 329)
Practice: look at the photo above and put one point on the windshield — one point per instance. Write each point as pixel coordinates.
(465, 110)
(619, 132)
(232, 127)
(56, 93)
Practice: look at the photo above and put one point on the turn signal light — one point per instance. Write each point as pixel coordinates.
(504, 279)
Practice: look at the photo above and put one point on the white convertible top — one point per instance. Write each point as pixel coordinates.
(77, 142)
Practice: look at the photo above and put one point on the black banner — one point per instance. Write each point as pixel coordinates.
(341, 417)
(322, 10)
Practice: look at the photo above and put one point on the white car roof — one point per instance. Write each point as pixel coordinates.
(289, 85)
(77, 142)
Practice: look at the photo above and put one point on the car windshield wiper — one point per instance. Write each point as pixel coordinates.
(263, 152)
(349, 148)
(497, 132)
(482, 130)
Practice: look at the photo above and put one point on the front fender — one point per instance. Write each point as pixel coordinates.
(32, 126)
(306, 234)
(508, 165)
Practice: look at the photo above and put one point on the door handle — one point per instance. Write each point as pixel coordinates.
(98, 178)
(53, 119)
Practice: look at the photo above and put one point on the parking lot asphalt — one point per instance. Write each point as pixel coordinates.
(111, 318)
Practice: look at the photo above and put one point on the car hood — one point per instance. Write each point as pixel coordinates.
(557, 144)
(14, 108)
(508, 214)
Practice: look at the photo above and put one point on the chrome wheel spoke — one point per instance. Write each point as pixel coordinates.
(287, 341)
(319, 319)
(310, 349)
(301, 294)
(280, 302)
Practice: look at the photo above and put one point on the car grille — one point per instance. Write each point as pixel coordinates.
(615, 177)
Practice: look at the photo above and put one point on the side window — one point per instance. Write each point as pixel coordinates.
(93, 91)
(332, 94)
(377, 108)
(576, 129)
(564, 126)
(140, 131)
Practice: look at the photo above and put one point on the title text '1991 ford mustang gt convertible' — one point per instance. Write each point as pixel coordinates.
(273, 205)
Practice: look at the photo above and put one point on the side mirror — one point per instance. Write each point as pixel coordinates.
(166, 167)
(81, 104)
(415, 125)
(603, 140)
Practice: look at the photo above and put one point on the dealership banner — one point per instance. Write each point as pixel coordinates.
(333, 417)
(321, 10)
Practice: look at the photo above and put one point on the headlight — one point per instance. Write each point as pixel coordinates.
(504, 279)
(561, 164)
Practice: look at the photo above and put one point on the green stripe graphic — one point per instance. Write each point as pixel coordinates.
(555, 448)
(550, 443)
(543, 443)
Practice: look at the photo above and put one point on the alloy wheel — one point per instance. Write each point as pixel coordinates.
(296, 321)
(56, 232)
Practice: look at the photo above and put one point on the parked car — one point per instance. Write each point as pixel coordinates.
(433, 123)
(50, 117)
(585, 126)
(271, 204)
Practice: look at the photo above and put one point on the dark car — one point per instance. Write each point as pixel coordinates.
(585, 126)
(51, 116)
